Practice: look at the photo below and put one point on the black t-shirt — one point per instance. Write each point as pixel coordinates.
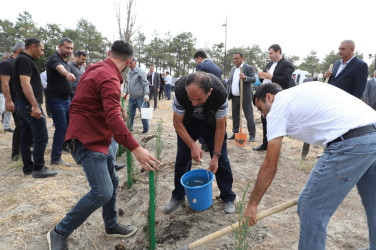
(7, 69)
(25, 65)
(57, 85)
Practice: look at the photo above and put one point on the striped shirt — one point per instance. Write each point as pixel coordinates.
(199, 110)
(316, 113)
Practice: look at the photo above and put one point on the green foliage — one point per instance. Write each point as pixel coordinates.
(85, 37)
(242, 234)
(311, 63)
(330, 58)
(167, 52)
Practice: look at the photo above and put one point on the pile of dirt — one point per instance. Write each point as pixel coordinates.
(31, 207)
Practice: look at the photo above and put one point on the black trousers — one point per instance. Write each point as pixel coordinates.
(153, 95)
(16, 135)
(248, 113)
(197, 128)
(264, 125)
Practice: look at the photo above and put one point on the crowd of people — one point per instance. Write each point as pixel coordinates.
(78, 97)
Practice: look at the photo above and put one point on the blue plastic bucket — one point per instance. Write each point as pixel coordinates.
(198, 188)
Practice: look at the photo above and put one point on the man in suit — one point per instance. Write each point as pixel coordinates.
(370, 92)
(204, 64)
(248, 77)
(279, 71)
(350, 73)
(154, 85)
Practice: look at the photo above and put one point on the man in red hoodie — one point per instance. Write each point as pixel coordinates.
(95, 116)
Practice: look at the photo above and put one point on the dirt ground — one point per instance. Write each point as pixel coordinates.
(29, 207)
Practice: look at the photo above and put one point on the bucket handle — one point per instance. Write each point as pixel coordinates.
(203, 164)
(143, 105)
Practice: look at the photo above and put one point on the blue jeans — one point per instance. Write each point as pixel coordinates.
(60, 116)
(103, 181)
(343, 165)
(114, 146)
(168, 91)
(134, 103)
(32, 131)
(197, 128)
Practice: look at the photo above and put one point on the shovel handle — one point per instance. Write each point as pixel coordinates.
(330, 69)
(236, 225)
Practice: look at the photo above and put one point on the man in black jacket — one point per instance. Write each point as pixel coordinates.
(200, 107)
(279, 71)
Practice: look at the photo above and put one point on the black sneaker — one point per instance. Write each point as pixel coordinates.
(121, 231)
(120, 166)
(43, 173)
(57, 241)
(60, 162)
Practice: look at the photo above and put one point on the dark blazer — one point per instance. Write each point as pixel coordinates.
(352, 79)
(282, 72)
(157, 80)
(210, 67)
(370, 93)
(249, 72)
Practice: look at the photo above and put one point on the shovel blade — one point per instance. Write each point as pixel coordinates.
(240, 139)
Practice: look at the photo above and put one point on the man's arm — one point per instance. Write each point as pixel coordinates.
(29, 94)
(249, 73)
(218, 143)
(145, 83)
(9, 105)
(196, 152)
(264, 178)
(360, 80)
(63, 72)
(366, 92)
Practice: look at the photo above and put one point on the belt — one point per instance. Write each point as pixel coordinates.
(355, 133)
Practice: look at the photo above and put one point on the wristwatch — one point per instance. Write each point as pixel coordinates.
(217, 154)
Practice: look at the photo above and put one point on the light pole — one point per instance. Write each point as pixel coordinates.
(224, 64)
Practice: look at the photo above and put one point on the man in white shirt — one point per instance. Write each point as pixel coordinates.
(278, 70)
(248, 77)
(319, 113)
(168, 85)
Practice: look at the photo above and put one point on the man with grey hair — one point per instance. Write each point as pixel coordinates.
(6, 115)
(138, 90)
(58, 93)
(7, 77)
(350, 73)
(370, 92)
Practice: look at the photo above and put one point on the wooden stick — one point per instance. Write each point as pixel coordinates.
(236, 225)
(330, 69)
(241, 102)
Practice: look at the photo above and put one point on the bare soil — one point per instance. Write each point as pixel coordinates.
(29, 207)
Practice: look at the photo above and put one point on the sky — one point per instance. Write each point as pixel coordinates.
(297, 26)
